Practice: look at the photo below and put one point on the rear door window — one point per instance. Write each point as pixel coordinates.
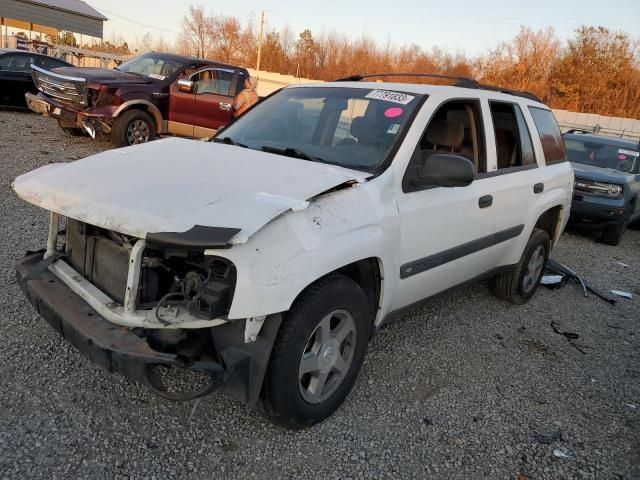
(550, 135)
(513, 141)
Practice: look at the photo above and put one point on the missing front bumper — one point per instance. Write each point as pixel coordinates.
(119, 350)
(114, 348)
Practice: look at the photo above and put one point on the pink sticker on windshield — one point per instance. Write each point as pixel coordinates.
(393, 112)
(622, 157)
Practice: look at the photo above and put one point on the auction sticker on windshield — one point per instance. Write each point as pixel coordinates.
(629, 152)
(387, 96)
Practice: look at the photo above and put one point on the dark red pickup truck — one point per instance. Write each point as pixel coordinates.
(154, 93)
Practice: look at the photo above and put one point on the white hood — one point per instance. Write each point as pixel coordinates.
(172, 185)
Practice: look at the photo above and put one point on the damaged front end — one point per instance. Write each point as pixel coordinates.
(74, 101)
(146, 311)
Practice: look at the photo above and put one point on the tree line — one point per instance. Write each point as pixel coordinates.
(594, 71)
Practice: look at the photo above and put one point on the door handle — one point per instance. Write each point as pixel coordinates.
(538, 188)
(485, 201)
(225, 106)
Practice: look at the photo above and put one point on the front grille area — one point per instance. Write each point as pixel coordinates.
(583, 185)
(101, 260)
(68, 89)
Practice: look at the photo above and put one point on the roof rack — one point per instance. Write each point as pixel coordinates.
(463, 82)
(580, 131)
(357, 78)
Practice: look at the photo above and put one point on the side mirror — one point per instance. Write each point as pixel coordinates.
(185, 85)
(445, 170)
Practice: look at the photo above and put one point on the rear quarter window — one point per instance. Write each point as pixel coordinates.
(550, 135)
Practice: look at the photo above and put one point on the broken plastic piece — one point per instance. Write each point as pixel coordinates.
(622, 264)
(551, 279)
(622, 294)
(558, 268)
(569, 335)
(559, 453)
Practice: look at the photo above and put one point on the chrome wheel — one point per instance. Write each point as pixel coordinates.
(138, 132)
(534, 269)
(327, 356)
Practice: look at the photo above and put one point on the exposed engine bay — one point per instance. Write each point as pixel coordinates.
(170, 279)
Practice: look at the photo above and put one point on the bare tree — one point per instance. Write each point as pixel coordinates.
(226, 33)
(197, 28)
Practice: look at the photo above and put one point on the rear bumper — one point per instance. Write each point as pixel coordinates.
(114, 348)
(596, 215)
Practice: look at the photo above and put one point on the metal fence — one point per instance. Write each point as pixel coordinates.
(80, 57)
(601, 124)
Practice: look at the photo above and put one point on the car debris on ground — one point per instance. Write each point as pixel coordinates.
(567, 274)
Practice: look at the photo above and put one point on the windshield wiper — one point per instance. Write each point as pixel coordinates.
(228, 141)
(293, 152)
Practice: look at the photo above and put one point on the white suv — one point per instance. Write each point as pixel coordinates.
(262, 261)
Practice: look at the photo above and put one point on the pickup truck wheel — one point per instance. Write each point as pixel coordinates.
(318, 353)
(132, 128)
(74, 132)
(519, 285)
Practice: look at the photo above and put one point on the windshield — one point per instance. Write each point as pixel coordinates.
(151, 66)
(351, 127)
(602, 155)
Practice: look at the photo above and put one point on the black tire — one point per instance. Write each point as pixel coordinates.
(74, 132)
(285, 386)
(519, 285)
(133, 127)
(613, 235)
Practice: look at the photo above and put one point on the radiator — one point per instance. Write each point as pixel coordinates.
(102, 261)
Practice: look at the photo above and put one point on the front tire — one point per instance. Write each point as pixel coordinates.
(133, 127)
(519, 285)
(318, 353)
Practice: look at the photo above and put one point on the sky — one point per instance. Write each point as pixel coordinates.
(469, 27)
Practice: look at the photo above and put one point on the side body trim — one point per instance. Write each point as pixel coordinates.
(432, 261)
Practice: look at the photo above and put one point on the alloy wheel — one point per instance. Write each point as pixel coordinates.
(327, 356)
(138, 132)
(534, 268)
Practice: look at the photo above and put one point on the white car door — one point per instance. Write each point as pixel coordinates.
(447, 235)
(517, 180)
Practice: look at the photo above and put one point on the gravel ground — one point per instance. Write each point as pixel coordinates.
(468, 387)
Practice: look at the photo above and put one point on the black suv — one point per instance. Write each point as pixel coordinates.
(607, 184)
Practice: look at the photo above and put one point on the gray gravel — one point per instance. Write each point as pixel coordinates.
(469, 387)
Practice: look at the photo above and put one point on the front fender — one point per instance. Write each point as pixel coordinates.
(298, 248)
(153, 110)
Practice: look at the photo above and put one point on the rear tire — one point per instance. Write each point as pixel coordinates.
(133, 127)
(318, 353)
(519, 285)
